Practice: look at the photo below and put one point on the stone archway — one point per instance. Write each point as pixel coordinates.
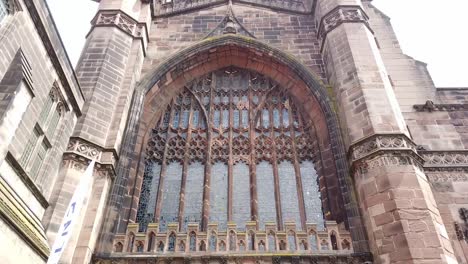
(170, 77)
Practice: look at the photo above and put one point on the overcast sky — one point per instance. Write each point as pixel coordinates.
(432, 31)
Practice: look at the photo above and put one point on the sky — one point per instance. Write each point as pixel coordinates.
(432, 31)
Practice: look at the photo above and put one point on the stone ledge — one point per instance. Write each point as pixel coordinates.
(445, 159)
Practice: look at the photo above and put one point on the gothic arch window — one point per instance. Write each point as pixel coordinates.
(234, 136)
(241, 246)
(182, 246)
(271, 241)
(292, 240)
(131, 241)
(193, 242)
(171, 245)
(151, 240)
(222, 246)
(251, 240)
(140, 247)
(161, 246)
(334, 241)
(118, 247)
(202, 246)
(313, 240)
(213, 241)
(261, 246)
(232, 241)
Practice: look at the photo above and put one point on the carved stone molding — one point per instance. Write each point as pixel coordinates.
(443, 177)
(383, 150)
(124, 22)
(80, 152)
(445, 160)
(429, 106)
(340, 15)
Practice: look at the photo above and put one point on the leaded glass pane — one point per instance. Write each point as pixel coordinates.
(245, 118)
(171, 195)
(313, 241)
(276, 118)
(266, 194)
(194, 194)
(185, 119)
(195, 117)
(216, 118)
(266, 118)
(218, 195)
(288, 193)
(149, 192)
(241, 195)
(175, 120)
(292, 241)
(236, 118)
(285, 118)
(311, 193)
(225, 118)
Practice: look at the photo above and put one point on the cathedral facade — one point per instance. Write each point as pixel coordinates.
(229, 131)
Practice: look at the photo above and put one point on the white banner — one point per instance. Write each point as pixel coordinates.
(72, 215)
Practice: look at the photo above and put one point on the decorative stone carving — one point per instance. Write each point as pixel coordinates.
(436, 159)
(84, 148)
(384, 150)
(117, 18)
(448, 177)
(340, 15)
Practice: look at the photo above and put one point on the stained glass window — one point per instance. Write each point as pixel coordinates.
(193, 241)
(271, 242)
(271, 159)
(171, 243)
(292, 241)
(241, 195)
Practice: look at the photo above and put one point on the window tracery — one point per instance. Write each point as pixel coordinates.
(234, 134)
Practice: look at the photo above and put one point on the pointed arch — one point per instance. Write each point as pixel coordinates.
(289, 73)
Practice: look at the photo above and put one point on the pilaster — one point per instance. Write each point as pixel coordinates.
(401, 217)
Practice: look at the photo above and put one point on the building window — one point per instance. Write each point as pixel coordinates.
(229, 132)
(38, 144)
(3, 9)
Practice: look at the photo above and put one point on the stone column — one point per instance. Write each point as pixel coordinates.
(108, 71)
(401, 217)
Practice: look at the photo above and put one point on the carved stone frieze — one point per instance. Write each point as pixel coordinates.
(443, 177)
(80, 152)
(341, 15)
(445, 159)
(384, 150)
(117, 18)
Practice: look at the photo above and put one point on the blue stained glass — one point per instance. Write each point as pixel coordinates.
(213, 241)
(241, 195)
(285, 118)
(292, 241)
(193, 242)
(311, 194)
(216, 118)
(225, 118)
(276, 118)
(193, 194)
(271, 242)
(236, 118)
(185, 119)
(266, 194)
(195, 117)
(218, 195)
(175, 120)
(313, 241)
(266, 118)
(149, 192)
(171, 195)
(245, 118)
(288, 193)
